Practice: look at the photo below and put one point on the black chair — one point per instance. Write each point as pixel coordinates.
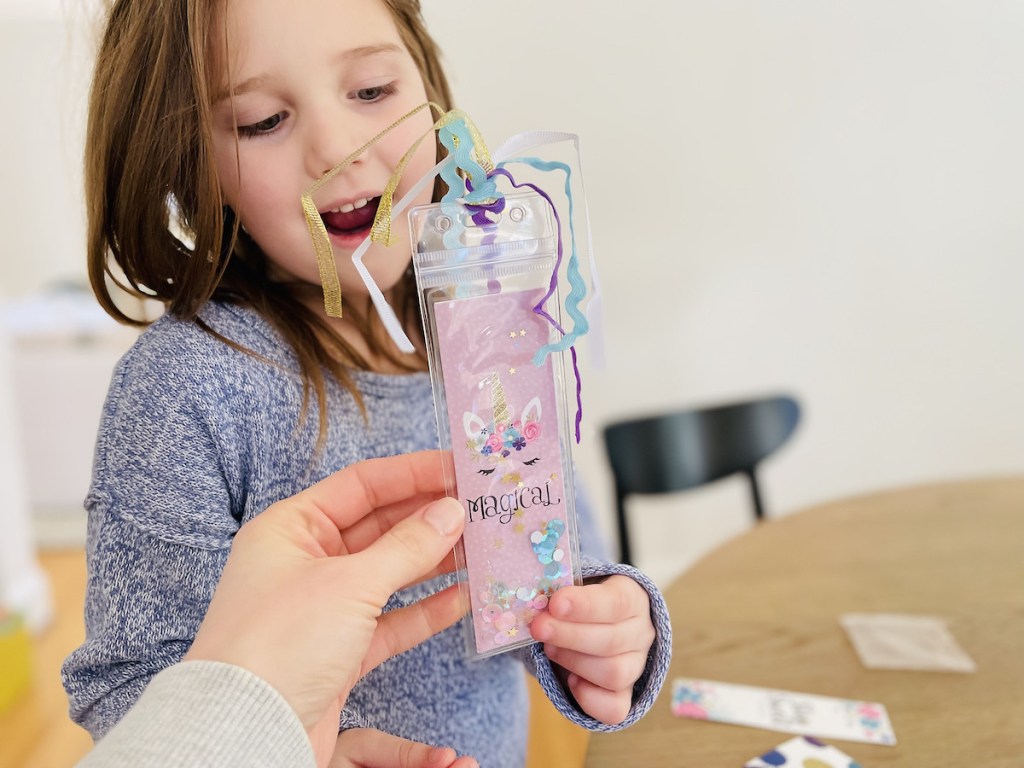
(684, 449)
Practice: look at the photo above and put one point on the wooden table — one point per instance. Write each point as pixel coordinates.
(762, 610)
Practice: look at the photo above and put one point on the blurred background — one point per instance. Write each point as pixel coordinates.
(822, 199)
(788, 196)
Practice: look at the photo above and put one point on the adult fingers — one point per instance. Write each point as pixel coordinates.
(412, 548)
(403, 628)
(364, 532)
(353, 492)
(447, 565)
(368, 748)
(323, 735)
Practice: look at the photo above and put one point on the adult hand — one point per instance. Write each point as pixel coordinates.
(299, 602)
(600, 635)
(369, 748)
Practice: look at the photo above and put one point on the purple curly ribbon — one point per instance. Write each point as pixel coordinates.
(552, 287)
(481, 210)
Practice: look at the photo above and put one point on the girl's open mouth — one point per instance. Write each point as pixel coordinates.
(350, 224)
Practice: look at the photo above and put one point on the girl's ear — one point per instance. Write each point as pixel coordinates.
(532, 411)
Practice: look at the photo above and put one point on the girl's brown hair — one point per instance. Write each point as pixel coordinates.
(150, 170)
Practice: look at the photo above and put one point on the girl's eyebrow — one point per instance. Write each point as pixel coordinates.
(249, 84)
(258, 81)
(371, 50)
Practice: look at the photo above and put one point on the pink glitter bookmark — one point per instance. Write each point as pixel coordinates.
(511, 467)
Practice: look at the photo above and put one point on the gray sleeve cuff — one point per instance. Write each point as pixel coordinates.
(205, 713)
(351, 719)
(646, 688)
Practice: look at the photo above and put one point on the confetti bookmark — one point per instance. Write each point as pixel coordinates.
(511, 474)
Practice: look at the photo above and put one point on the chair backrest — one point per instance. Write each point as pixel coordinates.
(684, 449)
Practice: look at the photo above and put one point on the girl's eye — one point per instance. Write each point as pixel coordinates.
(531, 462)
(376, 93)
(261, 128)
(485, 471)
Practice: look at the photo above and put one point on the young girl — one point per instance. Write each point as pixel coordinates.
(209, 119)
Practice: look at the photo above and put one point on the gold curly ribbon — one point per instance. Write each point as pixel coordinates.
(380, 231)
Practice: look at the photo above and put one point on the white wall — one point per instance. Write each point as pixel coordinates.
(819, 197)
(46, 66)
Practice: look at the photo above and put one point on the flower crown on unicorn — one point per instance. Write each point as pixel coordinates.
(501, 436)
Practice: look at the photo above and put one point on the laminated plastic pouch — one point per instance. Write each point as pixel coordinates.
(507, 285)
(502, 419)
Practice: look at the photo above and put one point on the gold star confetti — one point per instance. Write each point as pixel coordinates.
(512, 371)
(512, 478)
(519, 512)
(518, 527)
(513, 631)
(554, 476)
(499, 543)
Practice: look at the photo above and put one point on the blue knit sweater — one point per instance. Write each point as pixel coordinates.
(197, 438)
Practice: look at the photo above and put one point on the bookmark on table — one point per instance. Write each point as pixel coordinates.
(786, 711)
(803, 752)
(902, 641)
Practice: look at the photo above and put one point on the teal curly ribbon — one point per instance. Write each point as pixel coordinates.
(577, 286)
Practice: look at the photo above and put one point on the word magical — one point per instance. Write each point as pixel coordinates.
(506, 505)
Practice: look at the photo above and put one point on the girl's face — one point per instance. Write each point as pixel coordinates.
(306, 83)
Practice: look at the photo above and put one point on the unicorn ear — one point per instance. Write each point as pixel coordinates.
(472, 423)
(532, 411)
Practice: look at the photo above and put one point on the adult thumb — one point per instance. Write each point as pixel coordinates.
(415, 546)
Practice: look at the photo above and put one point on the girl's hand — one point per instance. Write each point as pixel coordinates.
(599, 634)
(368, 748)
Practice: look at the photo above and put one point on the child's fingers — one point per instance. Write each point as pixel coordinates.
(615, 673)
(403, 628)
(614, 599)
(592, 639)
(610, 707)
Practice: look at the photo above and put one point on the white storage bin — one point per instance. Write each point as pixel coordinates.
(63, 350)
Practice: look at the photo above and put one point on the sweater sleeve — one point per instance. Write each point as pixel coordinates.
(205, 713)
(163, 509)
(145, 600)
(648, 686)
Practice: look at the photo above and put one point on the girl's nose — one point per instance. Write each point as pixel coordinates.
(330, 140)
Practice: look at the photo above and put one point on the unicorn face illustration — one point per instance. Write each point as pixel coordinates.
(501, 436)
